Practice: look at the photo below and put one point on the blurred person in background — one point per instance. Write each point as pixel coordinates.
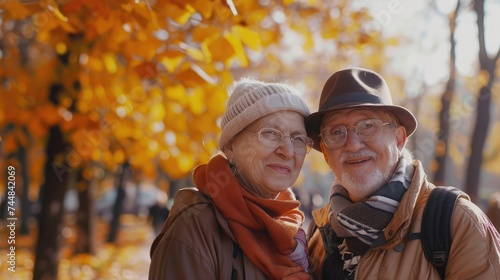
(493, 210)
(379, 193)
(242, 220)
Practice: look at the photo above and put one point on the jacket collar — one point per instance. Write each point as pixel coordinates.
(399, 226)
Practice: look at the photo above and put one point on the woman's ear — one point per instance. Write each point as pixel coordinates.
(228, 150)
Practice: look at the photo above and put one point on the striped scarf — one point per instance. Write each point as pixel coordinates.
(361, 223)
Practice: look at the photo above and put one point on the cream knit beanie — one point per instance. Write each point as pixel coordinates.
(251, 100)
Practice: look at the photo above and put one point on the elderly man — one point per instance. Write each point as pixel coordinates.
(379, 194)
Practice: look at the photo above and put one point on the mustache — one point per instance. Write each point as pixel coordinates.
(361, 153)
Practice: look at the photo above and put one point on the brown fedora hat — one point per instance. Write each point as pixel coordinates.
(356, 87)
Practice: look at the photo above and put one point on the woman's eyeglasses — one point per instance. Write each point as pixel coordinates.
(273, 138)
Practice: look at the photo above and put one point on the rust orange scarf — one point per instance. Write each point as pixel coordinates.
(263, 228)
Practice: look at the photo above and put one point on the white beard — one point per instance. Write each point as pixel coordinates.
(365, 183)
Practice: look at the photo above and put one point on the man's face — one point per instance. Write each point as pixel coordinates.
(362, 166)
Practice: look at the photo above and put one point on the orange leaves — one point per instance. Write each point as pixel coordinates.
(9, 143)
(202, 33)
(144, 47)
(146, 70)
(220, 49)
(192, 75)
(15, 10)
(143, 15)
(215, 99)
(202, 7)
(153, 74)
(179, 14)
(178, 166)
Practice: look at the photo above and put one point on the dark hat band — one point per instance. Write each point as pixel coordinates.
(352, 97)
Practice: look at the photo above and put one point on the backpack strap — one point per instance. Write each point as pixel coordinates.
(436, 226)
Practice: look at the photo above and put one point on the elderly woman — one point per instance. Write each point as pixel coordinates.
(242, 221)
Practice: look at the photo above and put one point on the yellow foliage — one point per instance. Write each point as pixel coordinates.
(483, 78)
(96, 155)
(491, 155)
(249, 37)
(110, 63)
(178, 167)
(154, 88)
(309, 42)
(176, 93)
(157, 112)
(458, 149)
(196, 53)
(175, 117)
(119, 156)
(330, 31)
(317, 163)
(238, 49)
(216, 98)
(195, 101)
(171, 59)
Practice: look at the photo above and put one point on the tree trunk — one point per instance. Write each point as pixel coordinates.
(85, 217)
(483, 109)
(444, 114)
(118, 206)
(25, 201)
(3, 202)
(49, 227)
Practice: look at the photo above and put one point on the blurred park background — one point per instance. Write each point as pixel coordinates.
(106, 107)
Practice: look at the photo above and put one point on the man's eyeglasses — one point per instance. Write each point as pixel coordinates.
(273, 138)
(368, 130)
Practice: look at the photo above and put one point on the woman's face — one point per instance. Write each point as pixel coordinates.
(268, 170)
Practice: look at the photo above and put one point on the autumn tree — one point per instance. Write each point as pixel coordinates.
(143, 83)
(487, 71)
(441, 154)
